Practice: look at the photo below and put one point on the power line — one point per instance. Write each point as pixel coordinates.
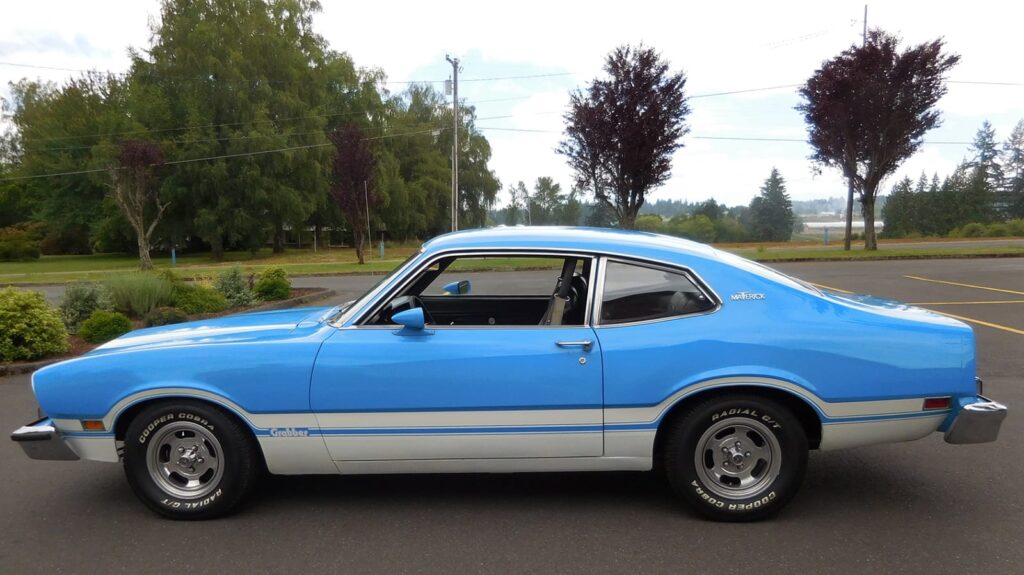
(765, 89)
(723, 138)
(270, 81)
(982, 83)
(220, 157)
(226, 124)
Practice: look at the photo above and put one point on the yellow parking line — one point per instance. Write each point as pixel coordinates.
(984, 323)
(965, 302)
(830, 288)
(965, 285)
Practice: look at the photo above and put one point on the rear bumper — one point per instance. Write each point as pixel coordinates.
(977, 422)
(42, 440)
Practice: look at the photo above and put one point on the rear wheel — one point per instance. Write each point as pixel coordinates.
(189, 460)
(736, 457)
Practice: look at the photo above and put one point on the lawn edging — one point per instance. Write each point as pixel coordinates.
(23, 367)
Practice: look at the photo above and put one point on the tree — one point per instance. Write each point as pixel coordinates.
(771, 212)
(986, 155)
(867, 110)
(901, 211)
(243, 76)
(571, 209)
(710, 208)
(57, 130)
(515, 204)
(136, 191)
(546, 201)
(599, 215)
(1013, 167)
(354, 186)
(622, 131)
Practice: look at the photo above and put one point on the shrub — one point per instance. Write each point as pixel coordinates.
(997, 230)
(19, 243)
(103, 326)
(273, 284)
(972, 230)
(1016, 227)
(165, 316)
(235, 288)
(29, 328)
(137, 294)
(196, 298)
(80, 300)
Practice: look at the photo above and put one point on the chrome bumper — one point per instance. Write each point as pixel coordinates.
(977, 422)
(41, 440)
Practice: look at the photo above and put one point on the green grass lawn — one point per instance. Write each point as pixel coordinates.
(60, 269)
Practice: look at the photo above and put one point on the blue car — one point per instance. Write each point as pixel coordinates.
(604, 350)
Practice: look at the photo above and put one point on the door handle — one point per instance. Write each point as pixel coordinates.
(586, 344)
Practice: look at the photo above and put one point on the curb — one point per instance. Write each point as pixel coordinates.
(22, 368)
(322, 293)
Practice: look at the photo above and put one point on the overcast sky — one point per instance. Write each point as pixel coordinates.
(721, 46)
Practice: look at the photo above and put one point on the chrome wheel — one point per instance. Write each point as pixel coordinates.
(185, 460)
(738, 458)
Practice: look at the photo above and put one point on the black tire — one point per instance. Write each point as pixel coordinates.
(774, 469)
(224, 457)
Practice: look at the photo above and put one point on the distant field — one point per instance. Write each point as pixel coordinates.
(61, 269)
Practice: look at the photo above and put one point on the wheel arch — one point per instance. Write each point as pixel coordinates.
(124, 418)
(800, 407)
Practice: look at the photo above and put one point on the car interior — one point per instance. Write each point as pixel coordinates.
(565, 304)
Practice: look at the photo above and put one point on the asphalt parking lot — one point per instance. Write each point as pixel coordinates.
(921, 507)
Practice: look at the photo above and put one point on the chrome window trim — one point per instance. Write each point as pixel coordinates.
(379, 299)
(685, 271)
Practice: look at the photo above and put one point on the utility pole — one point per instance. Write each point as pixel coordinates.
(366, 198)
(864, 37)
(455, 139)
(849, 188)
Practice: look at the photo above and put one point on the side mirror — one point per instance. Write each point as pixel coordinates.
(411, 320)
(460, 287)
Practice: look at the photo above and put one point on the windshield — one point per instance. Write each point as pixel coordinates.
(341, 316)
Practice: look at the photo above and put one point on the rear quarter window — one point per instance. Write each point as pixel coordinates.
(634, 292)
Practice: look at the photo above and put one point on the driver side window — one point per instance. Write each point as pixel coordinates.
(496, 291)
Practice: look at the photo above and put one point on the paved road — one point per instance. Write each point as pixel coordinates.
(921, 507)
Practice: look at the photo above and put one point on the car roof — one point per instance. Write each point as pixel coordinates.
(601, 240)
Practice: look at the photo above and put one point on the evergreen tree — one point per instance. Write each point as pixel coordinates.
(771, 212)
(900, 211)
(986, 155)
(710, 208)
(1013, 176)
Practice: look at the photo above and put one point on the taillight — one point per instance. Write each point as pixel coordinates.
(936, 403)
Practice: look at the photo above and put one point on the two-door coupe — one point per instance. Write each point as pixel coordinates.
(607, 350)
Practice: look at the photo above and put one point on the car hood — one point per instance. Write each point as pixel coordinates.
(245, 327)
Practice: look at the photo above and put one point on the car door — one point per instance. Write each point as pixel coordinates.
(459, 391)
(656, 327)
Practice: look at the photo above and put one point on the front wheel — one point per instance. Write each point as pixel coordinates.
(736, 457)
(189, 460)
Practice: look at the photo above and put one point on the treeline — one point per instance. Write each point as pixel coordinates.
(987, 189)
(768, 218)
(240, 97)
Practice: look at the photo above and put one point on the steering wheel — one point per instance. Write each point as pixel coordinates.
(407, 302)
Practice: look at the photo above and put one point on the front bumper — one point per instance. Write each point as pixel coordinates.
(42, 440)
(977, 422)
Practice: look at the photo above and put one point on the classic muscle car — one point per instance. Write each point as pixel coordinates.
(607, 350)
